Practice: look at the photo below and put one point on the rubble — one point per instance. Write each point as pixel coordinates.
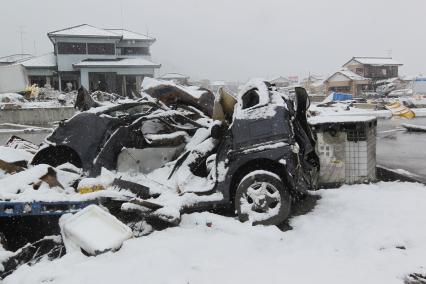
(50, 247)
(182, 160)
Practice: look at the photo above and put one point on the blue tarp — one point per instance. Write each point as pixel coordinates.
(341, 97)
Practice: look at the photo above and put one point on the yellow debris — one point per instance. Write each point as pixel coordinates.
(90, 189)
(400, 110)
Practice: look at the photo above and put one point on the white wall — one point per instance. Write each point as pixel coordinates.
(13, 78)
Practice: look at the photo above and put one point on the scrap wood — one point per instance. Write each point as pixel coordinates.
(50, 178)
(11, 168)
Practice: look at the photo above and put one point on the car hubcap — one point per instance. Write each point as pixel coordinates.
(260, 198)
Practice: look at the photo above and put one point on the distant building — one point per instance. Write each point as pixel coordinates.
(280, 81)
(374, 68)
(362, 74)
(14, 58)
(346, 81)
(112, 60)
(175, 77)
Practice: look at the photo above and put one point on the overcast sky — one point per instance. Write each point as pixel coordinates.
(239, 39)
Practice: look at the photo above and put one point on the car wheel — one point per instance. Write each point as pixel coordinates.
(262, 198)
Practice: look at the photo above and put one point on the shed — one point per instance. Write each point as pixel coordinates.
(346, 146)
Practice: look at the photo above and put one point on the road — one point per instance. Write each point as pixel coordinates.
(398, 149)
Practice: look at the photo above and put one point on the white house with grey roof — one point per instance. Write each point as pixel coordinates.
(112, 60)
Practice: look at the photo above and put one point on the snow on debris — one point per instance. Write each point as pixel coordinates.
(194, 91)
(11, 155)
(356, 234)
(261, 87)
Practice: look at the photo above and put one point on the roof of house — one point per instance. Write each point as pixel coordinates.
(15, 58)
(169, 76)
(119, 62)
(348, 74)
(47, 60)
(84, 30)
(129, 35)
(378, 61)
(279, 79)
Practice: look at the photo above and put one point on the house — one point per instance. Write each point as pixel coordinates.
(361, 74)
(374, 68)
(280, 82)
(314, 84)
(111, 60)
(346, 81)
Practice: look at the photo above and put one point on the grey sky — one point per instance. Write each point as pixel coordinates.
(236, 40)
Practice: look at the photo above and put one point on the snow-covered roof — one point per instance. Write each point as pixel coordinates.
(129, 35)
(323, 119)
(10, 59)
(43, 61)
(379, 61)
(84, 30)
(169, 76)
(119, 62)
(348, 74)
(279, 79)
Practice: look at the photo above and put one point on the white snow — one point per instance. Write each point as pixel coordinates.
(356, 234)
(194, 91)
(377, 61)
(47, 60)
(11, 155)
(413, 127)
(129, 35)
(121, 62)
(315, 120)
(11, 98)
(85, 31)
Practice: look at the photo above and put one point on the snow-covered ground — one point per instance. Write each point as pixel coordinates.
(356, 234)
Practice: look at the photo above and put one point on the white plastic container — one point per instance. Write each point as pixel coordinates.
(95, 231)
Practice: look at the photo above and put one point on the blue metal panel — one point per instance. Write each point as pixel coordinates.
(341, 97)
(14, 209)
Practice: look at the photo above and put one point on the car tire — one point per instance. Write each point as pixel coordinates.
(262, 198)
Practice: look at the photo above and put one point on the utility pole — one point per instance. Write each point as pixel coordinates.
(121, 14)
(21, 34)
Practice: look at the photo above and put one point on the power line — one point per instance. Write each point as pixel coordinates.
(21, 34)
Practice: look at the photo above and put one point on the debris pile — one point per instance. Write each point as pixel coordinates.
(145, 162)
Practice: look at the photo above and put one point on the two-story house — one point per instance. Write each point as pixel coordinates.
(374, 68)
(112, 60)
(362, 74)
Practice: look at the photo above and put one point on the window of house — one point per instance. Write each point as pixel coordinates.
(71, 48)
(135, 51)
(359, 71)
(101, 48)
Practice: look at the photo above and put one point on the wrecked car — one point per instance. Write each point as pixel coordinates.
(255, 157)
(94, 138)
(150, 161)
